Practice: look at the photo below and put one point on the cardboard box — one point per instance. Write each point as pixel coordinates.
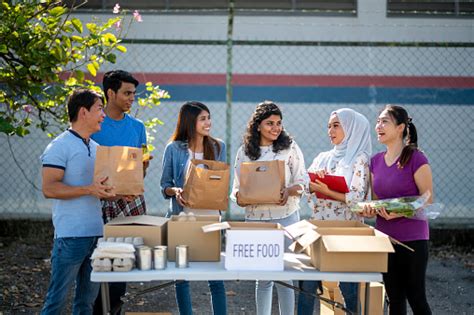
(252, 245)
(331, 291)
(151, 228)
(202, 246)
(338, 247)
(377, 298)
(338, 223)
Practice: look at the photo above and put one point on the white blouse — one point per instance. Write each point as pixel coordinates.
(328, 209)
(295, 174)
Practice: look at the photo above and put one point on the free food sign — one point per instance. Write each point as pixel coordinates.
(254, 250)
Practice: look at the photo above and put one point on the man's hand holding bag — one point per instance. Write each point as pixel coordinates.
(206, 185)
(123, 168)
(261, 182)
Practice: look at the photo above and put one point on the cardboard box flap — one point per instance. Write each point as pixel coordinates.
(304, 241)
(346, 231)
(298, 229)
(338, 223)
(358, 243)
(254, 226)
(241, 226)
(139, 220)
(199, 218)
(215, 227)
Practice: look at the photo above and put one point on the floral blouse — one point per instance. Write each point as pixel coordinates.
(295, 174)
(328, 209)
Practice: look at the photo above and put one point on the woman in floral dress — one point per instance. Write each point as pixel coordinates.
(349, 132)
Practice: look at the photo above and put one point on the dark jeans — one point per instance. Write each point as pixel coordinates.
(405, 279)
(116, 290)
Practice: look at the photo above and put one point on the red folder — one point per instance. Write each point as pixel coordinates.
(336, 183)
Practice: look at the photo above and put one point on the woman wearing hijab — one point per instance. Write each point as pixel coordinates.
(349, 132)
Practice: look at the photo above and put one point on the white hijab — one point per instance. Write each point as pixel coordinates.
(356, 141)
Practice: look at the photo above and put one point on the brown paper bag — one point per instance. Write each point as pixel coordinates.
(261, 182)
(124, 168)
(207, 187)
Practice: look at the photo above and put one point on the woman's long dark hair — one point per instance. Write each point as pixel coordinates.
(186, 128)
(252, 134)
(410, 137)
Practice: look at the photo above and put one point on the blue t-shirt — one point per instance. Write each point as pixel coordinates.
(82, 216)
(128, 132)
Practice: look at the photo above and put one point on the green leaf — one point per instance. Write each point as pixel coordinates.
(91, 69)
(71, 81)
(21, 131)
(57, 11)
(77, 38)
(3, 49)
(79, 75)
(77, 25)
(92, 27)
(109, 38)
(122, 48)
(5, 126)
(111, 58)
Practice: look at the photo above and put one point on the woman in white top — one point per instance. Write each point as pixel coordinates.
(349, 132)
(266, 140)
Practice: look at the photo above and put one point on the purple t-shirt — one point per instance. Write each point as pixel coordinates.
(393, 182)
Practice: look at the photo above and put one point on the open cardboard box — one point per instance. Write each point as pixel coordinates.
(202, 246)
(252, 245)
(151, 228)
(344, 248)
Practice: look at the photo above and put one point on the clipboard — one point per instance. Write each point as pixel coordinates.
(336, 183)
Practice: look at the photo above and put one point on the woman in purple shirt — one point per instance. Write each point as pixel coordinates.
(402, 170)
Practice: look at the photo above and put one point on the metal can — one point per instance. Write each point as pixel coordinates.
(182, 253)
(144, 257)
(160, 257)
(137, 241)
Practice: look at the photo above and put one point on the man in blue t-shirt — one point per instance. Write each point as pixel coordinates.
(68, 177)
(120, 129)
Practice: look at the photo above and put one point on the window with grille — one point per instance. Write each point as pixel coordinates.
(344, 7)
(447, 8)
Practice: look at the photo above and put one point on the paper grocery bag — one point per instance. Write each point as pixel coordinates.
(124, 168)
(206, 185)
(261, 182)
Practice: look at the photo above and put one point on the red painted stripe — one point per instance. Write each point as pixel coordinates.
(309, 80)
(303, 80)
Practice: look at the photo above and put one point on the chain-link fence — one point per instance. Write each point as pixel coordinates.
(435, 82)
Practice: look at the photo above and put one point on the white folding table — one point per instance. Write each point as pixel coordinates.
(297, 267)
